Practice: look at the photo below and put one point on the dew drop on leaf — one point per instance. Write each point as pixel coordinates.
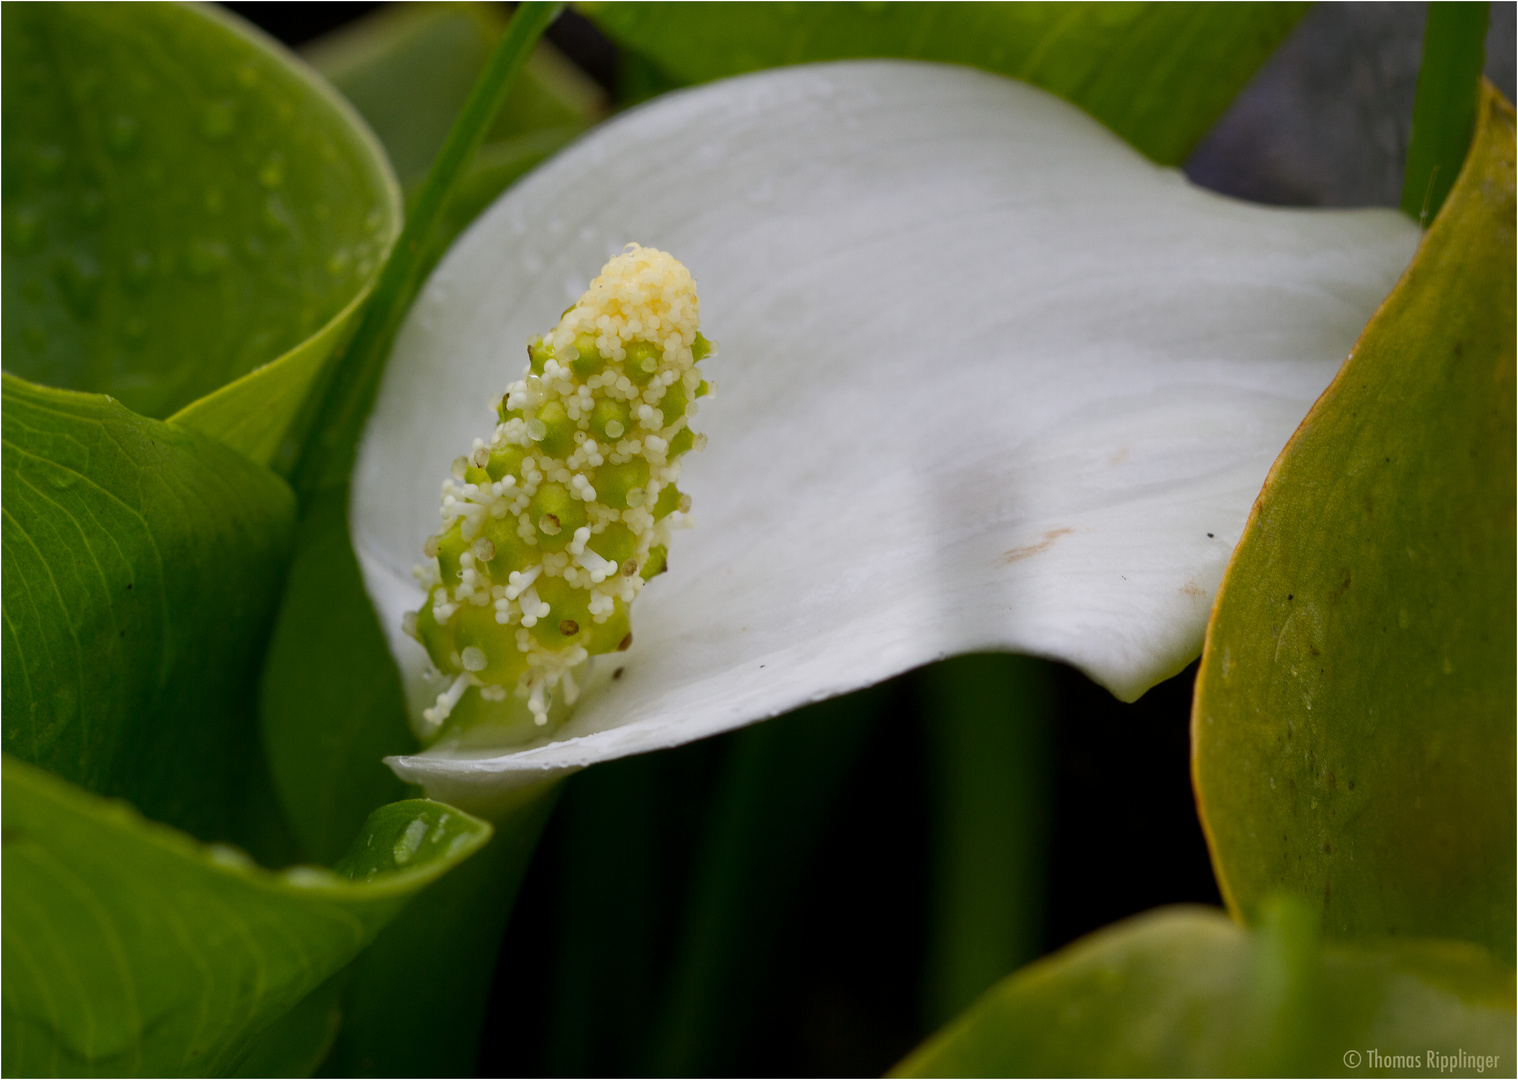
(410, 840)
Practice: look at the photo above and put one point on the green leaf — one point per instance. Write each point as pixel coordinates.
(1184, 992)
(408, 69)
(1353, 724)
(1157, 74)
(417, 997)
(298, 1042)
(136, 597)
(330, 704)
(1444, 112)
(130, 949)
(183, 204)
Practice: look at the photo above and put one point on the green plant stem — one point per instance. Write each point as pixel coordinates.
(988, 726)
(777, 785)
(327, 457)
(1444, 111)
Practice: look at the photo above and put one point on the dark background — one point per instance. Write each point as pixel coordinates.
(835, 988)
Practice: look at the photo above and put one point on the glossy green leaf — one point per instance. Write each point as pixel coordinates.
(408, 69)
(1157, 74)
(1185, 992)
(131, 950)
(136, 597)
(417, 996)
(183, 204)
(1353, 724)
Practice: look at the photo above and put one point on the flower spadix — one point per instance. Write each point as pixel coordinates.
(551, 527)
(992, 381)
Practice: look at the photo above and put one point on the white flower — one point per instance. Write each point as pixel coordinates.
(990, 380)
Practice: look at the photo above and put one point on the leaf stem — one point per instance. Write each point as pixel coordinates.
(352, 382)
(1444, 112)
(988, 720)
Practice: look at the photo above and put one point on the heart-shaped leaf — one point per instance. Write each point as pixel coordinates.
(184, 203)
(1353, 727)
(131, 950)
(1157, 74)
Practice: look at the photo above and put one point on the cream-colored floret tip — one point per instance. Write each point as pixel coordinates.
(551, 528)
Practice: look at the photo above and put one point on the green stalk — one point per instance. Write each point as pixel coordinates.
(327, 456)
(988, 726)
(1444, 112)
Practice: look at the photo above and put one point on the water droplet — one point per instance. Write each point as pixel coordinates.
(218, 120)
(373, 219)
(62, 481)
(48, 161)
(122, 135)
(78, 280)
(310, 877)
(339, 262)
(410, 840)
(207, 258)
(272, 175)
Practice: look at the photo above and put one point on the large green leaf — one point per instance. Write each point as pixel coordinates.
(183, 203)
(1185, 992)
(1353, 725)
(1157, 74)
(131, 950)
(139, 560)
(408, 69)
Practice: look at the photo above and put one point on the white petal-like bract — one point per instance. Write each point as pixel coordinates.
(989, 380)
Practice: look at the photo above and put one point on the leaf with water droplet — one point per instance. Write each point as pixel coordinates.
(175, 212)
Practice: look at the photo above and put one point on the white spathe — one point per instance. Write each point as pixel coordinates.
(989, 380)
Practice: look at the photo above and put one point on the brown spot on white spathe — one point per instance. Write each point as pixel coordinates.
(1119, 457)
(1193, 590)
(1029, 550)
